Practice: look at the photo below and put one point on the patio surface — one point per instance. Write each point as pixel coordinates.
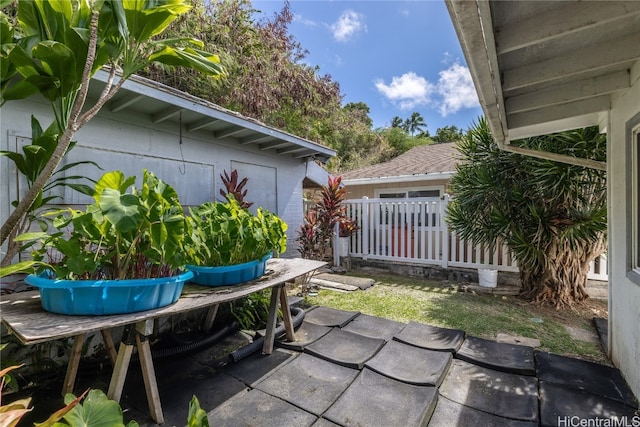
(351, 369)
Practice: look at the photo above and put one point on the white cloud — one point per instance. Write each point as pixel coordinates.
(348, 25)
(407, 91)
(456, 88)
(309, 23)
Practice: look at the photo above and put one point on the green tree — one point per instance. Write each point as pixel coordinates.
(448, 134)
(397, 122)
(552, 216)
(360, 111)
(57, 45)
(414, 123)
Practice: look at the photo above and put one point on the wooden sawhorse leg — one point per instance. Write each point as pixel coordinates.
(277, 294)
(141, 331)
(74, 362)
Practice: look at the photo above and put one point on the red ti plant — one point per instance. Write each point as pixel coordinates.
(235, 188)
(330, 208)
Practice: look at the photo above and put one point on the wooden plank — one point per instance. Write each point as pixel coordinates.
(72, 367)
(22, 312)
(108, 343)
(120, 372)
(149, 377)
(269, 337)
(211, 316)
(286, 315)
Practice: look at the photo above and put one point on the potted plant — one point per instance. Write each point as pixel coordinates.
(123, 254)
(347, 227)
(227, 244)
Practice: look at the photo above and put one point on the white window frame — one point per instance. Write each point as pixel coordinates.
(379, 191)
(633, 198)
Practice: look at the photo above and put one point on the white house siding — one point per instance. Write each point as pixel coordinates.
(624, 295)
(130, 142)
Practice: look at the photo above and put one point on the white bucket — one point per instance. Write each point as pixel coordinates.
(487, 277)
(344, 246)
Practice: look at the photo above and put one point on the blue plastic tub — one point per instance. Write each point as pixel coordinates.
(230, 274)
(99, 297)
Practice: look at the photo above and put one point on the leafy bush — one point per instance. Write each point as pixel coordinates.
(222, 234)
(135, 234)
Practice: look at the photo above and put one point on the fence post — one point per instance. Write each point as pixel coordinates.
(445, 231)
(336, 244)
(365, 233)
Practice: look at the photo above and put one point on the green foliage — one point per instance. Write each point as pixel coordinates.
(95, 410)
(551, 215)
(197, 416)
(448, 134)
(223, 234)
(58, 45)
(252, 311)
(136, 234)
(30, 164)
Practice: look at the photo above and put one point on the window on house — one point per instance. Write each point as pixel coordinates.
(408, 193)
(633, 136)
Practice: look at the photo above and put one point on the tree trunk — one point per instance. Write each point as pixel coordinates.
(562, 282)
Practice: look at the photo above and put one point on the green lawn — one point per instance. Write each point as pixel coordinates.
(437, 303)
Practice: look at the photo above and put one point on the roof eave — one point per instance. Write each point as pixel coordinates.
(142, 87)
(434, 176)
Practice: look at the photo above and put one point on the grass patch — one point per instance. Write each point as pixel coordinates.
(440, 304)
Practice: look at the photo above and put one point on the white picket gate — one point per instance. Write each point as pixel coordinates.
(414, 230)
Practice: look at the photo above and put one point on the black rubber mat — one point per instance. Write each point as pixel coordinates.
(498, 393)
(375, 400)
(586, 376)
(309, 383)
(452, 414)
(431, 337)
(511, 358)
(374, 327)
(345, 348)
(326, 316)
(306, 334)
(410, 364)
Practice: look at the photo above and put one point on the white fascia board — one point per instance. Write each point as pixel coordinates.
(399, 178)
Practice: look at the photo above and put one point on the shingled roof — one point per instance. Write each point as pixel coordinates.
(422, 160)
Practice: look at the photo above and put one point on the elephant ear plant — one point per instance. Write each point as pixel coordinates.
(223, 234)
(132, 234)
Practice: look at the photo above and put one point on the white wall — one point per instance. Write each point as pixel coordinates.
(130, 142)
(624, 295)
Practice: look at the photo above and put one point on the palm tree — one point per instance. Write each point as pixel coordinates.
(552, 216)
(396, 122)
(415, 123)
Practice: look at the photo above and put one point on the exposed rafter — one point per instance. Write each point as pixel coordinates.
(567, 18)
(604, 55)
(200, 124)
(124, 102)
(165, 114)
(577, 90)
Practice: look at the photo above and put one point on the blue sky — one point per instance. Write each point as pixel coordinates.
(396, 56)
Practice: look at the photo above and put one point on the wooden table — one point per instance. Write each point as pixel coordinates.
(22, 313)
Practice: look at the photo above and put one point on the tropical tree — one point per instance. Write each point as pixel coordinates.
(360, 111)
(397, 122)
(448, 134)
(57, 45)
(552, 216)
(414, 123)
